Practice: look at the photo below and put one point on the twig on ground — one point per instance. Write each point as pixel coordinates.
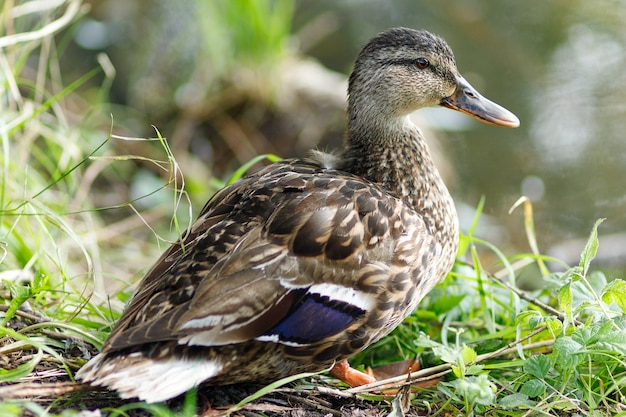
(441, 370)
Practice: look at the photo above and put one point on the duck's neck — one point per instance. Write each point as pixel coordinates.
(395, 155)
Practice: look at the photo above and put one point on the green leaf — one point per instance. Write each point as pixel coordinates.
(534, 319)
(614, 341)
(538, 366)
(591, 248)
(476, 389)
(446, 302)
(468, 354)
(567, 350)
(457, 371)
(515, 401)
(474, 370)
(528, 317)
(567, 346)
(533, 388)
(19, 295)
(457, 357)
(446, 354)
(565, 300)
(588, 335)
(575, 274)
(615, 291)
(555, 325)
(423, 340)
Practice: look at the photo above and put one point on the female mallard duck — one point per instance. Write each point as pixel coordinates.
(307, 261)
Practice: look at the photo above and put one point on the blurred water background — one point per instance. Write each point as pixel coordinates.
(227, 80)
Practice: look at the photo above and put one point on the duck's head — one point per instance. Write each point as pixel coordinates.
(401, 70)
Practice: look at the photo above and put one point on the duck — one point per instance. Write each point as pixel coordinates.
(307, 261)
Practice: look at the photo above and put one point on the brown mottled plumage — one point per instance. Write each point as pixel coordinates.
(306, 261)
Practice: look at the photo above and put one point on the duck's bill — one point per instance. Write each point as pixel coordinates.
(469, 101)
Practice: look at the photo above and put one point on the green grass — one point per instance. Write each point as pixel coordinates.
(72, 226)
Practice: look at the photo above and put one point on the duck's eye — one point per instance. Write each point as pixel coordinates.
(422, 63)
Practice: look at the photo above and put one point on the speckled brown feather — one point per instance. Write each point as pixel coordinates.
(277, 219)
(303, 224)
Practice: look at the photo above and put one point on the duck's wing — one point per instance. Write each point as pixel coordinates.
(269, 253)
